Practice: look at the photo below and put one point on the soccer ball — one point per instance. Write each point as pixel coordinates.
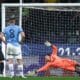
(28, 72)
(31, 73)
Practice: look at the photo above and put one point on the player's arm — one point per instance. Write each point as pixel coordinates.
(54, 52)
(22, 35)
(2, 37)
(54, 48)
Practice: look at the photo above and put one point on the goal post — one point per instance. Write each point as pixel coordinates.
(56, 22)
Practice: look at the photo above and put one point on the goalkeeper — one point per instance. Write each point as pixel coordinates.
(57, 62)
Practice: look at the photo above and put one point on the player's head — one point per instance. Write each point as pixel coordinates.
(47, 57)
(12, 19)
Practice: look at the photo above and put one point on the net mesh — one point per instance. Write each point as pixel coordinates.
(59, 25)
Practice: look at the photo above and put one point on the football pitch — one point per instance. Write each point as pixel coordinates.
(40, 78)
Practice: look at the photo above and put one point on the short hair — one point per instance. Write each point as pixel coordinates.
(12, 17)
(48, 54)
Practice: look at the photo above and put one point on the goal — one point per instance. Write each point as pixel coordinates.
(58, 23)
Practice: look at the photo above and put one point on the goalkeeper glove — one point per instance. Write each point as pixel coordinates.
(47, 43)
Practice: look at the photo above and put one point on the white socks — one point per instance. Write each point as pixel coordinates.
(20, 70)
(11, 69)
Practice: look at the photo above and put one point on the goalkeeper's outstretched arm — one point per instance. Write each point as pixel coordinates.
(54, 48)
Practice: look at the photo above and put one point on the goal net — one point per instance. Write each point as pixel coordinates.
(57, 23)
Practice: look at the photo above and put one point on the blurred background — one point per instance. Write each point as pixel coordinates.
(58, 24)
(36, 1)
(50, 23)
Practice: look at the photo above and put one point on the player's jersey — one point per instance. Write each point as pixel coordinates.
(59, 62)
(12, 34)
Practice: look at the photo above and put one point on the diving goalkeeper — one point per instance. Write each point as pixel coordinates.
(54, 61)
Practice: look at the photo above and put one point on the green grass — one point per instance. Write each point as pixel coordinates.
(41, 78)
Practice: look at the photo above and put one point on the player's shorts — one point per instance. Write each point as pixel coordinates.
(13, 51)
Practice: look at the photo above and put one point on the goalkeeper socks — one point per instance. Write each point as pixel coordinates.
(20, 69)
(11, 69)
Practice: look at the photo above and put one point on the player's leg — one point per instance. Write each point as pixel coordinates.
(20, 67)
(78, 64)
(11, 66)
(20, 62)
(10, 57)
(77, 68)
(73, 66)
